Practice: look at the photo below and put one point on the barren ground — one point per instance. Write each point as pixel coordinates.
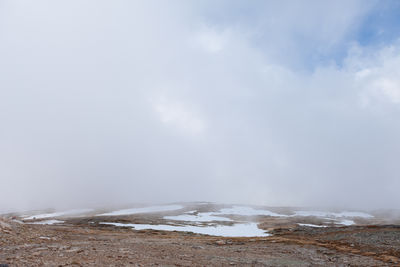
(84, 242)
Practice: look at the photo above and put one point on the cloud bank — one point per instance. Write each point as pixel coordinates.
(110, 102)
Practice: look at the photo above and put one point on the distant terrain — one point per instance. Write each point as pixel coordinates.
(199, 234)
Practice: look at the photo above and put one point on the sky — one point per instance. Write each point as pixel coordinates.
(280, 103)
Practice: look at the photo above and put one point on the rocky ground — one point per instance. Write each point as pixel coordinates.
(85, 242)
(71, 245)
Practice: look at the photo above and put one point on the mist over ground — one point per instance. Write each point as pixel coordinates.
(265, 102)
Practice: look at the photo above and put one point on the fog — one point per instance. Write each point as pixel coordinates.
(263, 102)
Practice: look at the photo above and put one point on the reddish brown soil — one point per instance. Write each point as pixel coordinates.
(84, 245)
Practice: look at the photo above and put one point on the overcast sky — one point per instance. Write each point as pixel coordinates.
(266, 102)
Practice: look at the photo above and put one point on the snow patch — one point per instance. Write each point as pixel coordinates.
(47, 222)
(354, 214)
(221, 214)
(200, 217)
(346, 222)
(351, 214)
(236, 230)
(311, 225)
(58, 214)
(150, 209)
(249, 211)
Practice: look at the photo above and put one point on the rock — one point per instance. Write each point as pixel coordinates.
(220, 242)
(4, 225)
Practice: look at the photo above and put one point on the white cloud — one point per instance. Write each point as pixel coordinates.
(378, 77)
(261, 125)
(179, 116)
(211, 40)
(390, 88)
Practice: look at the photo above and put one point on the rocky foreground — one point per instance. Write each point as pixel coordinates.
(79, 244)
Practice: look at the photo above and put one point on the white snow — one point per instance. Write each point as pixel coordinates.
(346, 222)
(236, 230)
(221, 214)
(200, 217)
(248, 211)
(335, 215)
(311, 225)
(354, 214)
(150, 209)
(47, 222)
(305, 213)
(58, 214)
